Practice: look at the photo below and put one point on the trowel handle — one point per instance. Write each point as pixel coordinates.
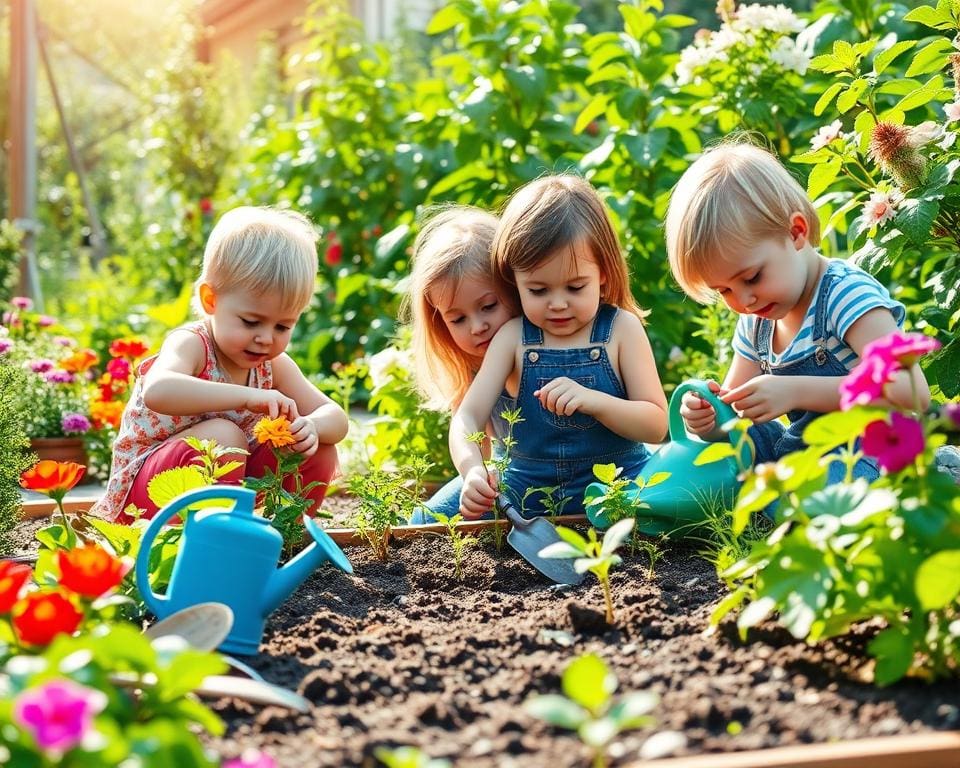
(179, 504)
(725, 413)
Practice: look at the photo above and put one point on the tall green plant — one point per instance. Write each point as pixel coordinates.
(15, 457)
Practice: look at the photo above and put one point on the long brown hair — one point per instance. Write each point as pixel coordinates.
(555, 212)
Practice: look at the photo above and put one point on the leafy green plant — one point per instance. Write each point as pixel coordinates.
(652, 548)
(14, 458)
(459, 541)
(498, 463)
(548, 500)
(588, 706)
(10, 239)
(593, 555)
(407, 757)
(619, 501)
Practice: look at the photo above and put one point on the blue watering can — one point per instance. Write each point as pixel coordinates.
(229, 555)
(682, 500)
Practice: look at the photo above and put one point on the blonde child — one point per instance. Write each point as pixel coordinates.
(215, 378)
(454, 313)
(577, 361)
(739, 225)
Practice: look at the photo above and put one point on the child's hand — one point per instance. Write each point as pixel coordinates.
(307, 437)
(272, 403)
(563, 396)
(761, 399)
(478, 493)
(699, 417)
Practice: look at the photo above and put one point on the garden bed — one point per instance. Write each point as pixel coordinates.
(400, 653)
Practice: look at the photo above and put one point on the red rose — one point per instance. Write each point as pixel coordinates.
(206, 206)
(131, 348)
(12, 578)
(41, 616)
(377, 230)
(334, 253)
(90, 570)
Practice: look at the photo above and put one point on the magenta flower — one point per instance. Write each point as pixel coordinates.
(22, 302)
(251, 758)
(63, 341)
(950, 412)
(119, 368)
(75, 423)
(59, 377)
(865, 382)
(896, 444)
(45, 321)
(904, 349)
(5, 345)
(58, 714)
(41, 366)
(12, 319)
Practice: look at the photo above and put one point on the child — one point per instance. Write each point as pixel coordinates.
(216, 378)
(740, 225)
(455, 312)
(578, 361)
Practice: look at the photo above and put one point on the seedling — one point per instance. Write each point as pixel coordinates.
(593, 555)
(407, 757)
(651, 548)
(550, 502)
(458, 540)
(588, 707)
(499, 464)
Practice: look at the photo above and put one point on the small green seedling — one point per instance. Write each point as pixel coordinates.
(592, 555)
(407, 757)
(552, 505)
(588, 707)
(460, 542)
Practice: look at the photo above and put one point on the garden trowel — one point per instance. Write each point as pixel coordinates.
(528, 537)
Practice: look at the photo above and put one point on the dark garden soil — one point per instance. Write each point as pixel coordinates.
(401, 653)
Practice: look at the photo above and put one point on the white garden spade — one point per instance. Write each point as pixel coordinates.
(529, 536)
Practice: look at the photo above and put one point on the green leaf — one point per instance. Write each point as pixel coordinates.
(572, 537)
(589, 682)
(646, 149)
(823, 175)
(165, 486)
(529, 80)
(915, 219)
(937, 18)
(848, 99)
(883, 59)
(557, 710)
(893, 650)
(931, 58)
(826, 98)
(390, 244)
(557, 551)
(938, 580)
(922, 95)
(715, 452)
(756, 612)
(839, 427)
(945, 368)
(446, 18)
(616, 535)
(595, 107)
(606, 473)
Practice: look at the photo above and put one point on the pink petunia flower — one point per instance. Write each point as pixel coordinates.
(119, 368)
(41, 365)
(22, 302)
(896, 444)
(5, 345)
(59, 377)
(865, 382)
(58, 714)
(251, 758)
(880, 208)
(951, 412)
(903, 349)
(75, 423)
(45, 321)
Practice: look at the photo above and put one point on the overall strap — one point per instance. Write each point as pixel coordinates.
(819, 329)
(762, 335)
(603, 324)
(531, 333)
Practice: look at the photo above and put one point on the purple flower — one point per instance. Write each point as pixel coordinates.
(950, 412)
(63, 341)
(896, 444)
(58, 714)
(865, 382)
(45, 321)
(75, 423)
(5, 345)
(12, 319)
(22, 302)
(251, 758)
(41, 366)
(59, 377)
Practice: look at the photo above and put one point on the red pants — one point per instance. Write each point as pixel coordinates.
(176, 453)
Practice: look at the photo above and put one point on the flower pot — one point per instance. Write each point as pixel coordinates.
(59, 449)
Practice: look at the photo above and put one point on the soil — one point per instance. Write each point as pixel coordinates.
(400, 653)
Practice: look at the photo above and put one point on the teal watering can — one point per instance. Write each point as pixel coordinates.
(229, 555)
(682, 500)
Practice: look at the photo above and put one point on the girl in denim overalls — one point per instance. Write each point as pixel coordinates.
(577, 361)
(740, 225)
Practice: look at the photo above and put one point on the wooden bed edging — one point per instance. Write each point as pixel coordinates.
(939, 749)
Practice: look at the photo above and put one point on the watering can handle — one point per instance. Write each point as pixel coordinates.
(181, 502)
(678, 430)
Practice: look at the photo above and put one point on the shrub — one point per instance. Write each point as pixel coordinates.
(14, 458)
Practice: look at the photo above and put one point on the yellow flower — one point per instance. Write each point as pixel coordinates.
(276, 432)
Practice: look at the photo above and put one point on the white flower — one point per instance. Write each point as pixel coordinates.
(880, 208)
(773, 18)
(383, 363)
(788, 56)
(727, 37)
(952, 111)
(826, 135)
(692, 58)
(925, 133)
(948, 140)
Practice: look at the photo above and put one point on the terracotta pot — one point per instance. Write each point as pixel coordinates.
(59, 449)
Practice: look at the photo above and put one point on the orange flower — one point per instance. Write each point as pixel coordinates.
(53, 478)
(41, 616)
(12, 578)
(90, 570)
(275, 432)
(106, 413)
(80, 361)
(131, 348)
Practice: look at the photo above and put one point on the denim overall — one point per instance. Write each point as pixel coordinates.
(554, 450)
(772, 439)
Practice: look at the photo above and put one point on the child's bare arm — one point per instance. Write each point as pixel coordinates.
(171, 385)
(323, 421)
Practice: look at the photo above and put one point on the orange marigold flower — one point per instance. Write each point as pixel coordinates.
(12, 578)
(90, 570)
(106, 413)
(130, 348)
(41, 616)
(276, 432)
(53, 478)
(80, 361)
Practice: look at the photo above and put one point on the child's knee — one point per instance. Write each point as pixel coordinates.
(322, 465)
(223, 431)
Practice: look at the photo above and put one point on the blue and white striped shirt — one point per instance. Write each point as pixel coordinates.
(853, 294)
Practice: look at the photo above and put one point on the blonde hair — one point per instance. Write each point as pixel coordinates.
(734, 196)
(261, 250)
(555, 212)
(453, 245)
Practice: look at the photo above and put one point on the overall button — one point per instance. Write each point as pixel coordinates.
(594, 354)
(533, 356)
